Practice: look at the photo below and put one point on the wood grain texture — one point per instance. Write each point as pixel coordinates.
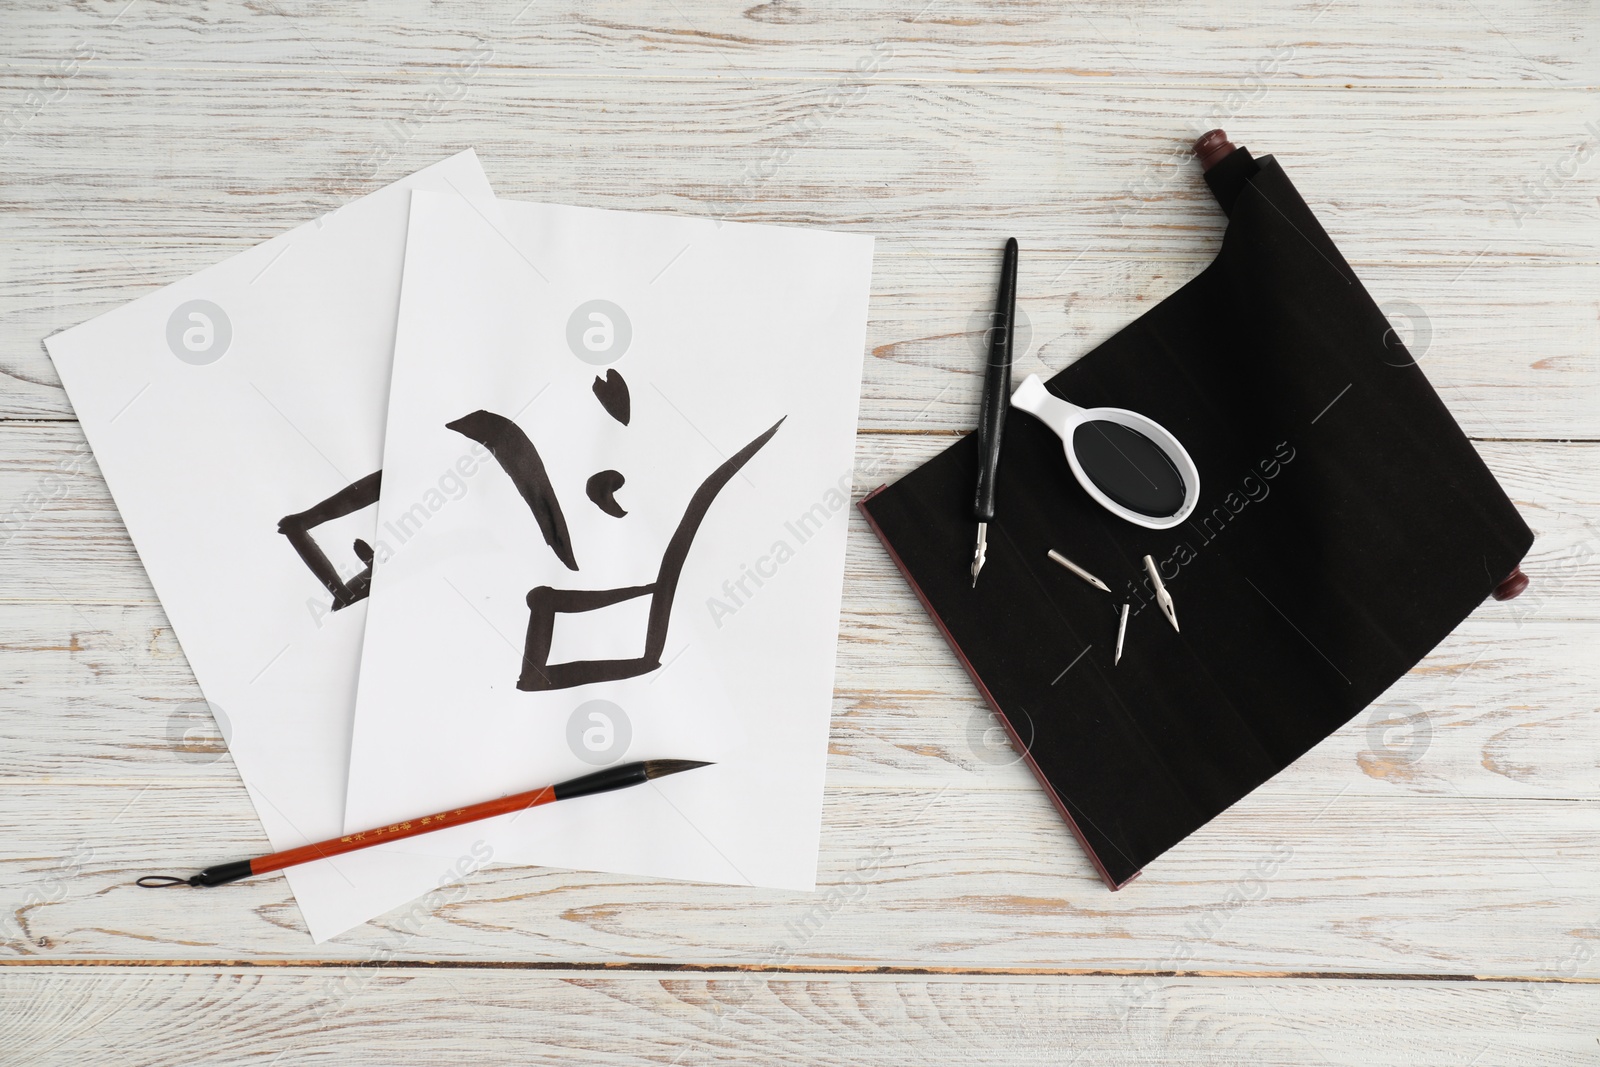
(1431, 866)
(1512, 354)
(296, 1016)
(1411, 45)
(963, 878)
(65, 540)
(1500, 295)
(1498, 711)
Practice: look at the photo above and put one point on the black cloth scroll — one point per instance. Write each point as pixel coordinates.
(1345, 527)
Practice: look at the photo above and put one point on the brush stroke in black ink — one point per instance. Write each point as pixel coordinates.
(544, 602)
(359, 494)
(602, 489)
(520, 460)
(612, 392)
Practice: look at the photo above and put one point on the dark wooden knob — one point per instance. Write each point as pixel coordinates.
(1212, 148)
(1513, 585)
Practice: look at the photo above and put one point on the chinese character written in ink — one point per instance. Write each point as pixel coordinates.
(520, 460)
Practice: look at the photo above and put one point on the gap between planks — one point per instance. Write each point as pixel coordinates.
(892, 431)
(819, 970)
(1043, 77)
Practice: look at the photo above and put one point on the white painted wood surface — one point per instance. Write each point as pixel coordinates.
(1427, 892)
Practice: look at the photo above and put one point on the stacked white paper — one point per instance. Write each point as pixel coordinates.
(661, 369)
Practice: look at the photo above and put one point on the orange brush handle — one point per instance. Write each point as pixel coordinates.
(410, 828)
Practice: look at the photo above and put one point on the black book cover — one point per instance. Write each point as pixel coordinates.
(1345, 526)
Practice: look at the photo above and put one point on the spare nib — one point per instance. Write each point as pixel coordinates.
(1163, 597)
(660, 768)
(1079, 571)
(980, 552)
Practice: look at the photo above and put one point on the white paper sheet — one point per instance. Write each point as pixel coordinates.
(738, 345)
(218, 406)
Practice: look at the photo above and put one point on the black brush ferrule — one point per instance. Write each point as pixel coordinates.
(619, 777)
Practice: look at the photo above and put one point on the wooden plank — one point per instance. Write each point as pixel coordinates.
(126, 1016)
(1508, 347)
(1504, 709)
(1509, 353)
(64, 541)
(1414, 44)
(958, 877)
(1502, 297)
(937, 161)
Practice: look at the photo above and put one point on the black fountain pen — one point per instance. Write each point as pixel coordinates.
(996, 398)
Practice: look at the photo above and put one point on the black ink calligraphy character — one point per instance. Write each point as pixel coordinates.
(297, 528)
(520, 460)
(612, 392)
(602, 489)
(545, 602)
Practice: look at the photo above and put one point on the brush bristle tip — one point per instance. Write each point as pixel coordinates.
(657, 768)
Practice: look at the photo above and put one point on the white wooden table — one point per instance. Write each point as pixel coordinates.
(1434, 894)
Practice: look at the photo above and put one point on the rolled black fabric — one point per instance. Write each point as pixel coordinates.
(1345, 527)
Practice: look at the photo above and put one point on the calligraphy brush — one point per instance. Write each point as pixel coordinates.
(628, 774)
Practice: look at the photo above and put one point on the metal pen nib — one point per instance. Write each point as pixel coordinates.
(1079, 571)
(1163, 597)
(1122, 632)
(980, 552)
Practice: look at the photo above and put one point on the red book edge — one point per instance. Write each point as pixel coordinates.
(999, 712)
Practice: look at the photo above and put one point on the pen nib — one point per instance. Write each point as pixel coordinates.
(1122, 632)
(980, 552)
(1163, 597)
